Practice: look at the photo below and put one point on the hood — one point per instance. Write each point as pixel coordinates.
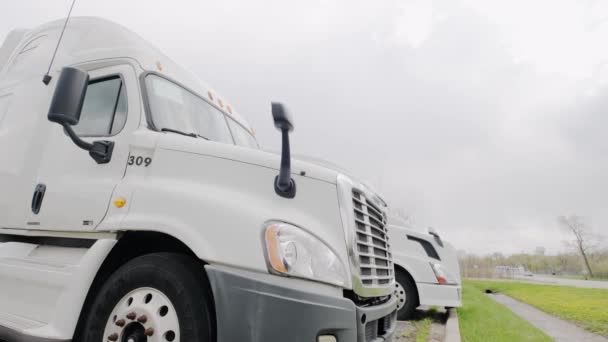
(344, 171)
(320, 162)
(260, 158)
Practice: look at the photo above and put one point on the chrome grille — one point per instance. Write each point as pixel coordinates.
(373, 248)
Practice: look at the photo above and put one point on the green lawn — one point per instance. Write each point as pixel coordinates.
(482, 319)
(585, 307)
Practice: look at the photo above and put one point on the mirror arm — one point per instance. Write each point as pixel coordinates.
(284, 185)
(100, 151)
(76, 139)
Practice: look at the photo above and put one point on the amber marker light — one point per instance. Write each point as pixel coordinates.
(120, 202)
(272, 246)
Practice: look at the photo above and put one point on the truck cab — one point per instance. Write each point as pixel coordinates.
(138, 206)
(426, 269)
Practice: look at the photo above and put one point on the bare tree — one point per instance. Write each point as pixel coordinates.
(582, 233)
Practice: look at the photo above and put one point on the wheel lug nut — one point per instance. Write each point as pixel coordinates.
(121, 322)
(149, 332)
(113, 337)
(131, 315)
(142, 319)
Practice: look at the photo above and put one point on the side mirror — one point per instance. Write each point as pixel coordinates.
(282, 118)
(284, 185)
(66, 107)
(435, 235)
(68, 98)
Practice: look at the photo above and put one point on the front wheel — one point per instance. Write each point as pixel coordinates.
(159, 297)
(407, 296)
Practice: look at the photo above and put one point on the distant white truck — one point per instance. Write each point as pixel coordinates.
(143, 210)
(426, 269)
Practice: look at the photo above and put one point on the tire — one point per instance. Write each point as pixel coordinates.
(155, 297)
(407, 296)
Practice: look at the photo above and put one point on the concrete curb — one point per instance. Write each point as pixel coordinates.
(452, 329)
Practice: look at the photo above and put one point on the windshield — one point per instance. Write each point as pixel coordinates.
(174, 108)
(242, 136)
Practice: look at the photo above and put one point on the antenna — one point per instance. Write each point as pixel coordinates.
(46, 79)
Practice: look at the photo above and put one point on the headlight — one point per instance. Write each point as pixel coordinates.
(442, 276)
(294, 252)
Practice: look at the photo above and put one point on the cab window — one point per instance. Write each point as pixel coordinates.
(104, 111)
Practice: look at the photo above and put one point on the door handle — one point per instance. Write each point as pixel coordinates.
(37, 198)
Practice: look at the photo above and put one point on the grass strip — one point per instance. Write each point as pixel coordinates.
(423, 329)
(481, 319)
(587, 308)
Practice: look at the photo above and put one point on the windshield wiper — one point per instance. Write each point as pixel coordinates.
(200, 136)
(194, 135)
(179, 132)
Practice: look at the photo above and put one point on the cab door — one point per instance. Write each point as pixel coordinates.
(72, 191)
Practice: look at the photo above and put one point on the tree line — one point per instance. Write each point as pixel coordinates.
(563, 264)
(584, 257)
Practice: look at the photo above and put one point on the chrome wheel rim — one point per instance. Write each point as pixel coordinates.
(143, 315)
(400, 295)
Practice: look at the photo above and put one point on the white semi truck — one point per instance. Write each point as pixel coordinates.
(426, 270)
(135, 206)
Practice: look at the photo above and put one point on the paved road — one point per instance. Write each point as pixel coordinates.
(558, 329)
(541, 279)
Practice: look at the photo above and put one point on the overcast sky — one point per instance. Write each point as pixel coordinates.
(484, 119)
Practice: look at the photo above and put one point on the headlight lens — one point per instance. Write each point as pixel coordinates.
(294, 252)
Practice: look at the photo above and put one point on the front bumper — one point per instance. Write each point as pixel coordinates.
(256, 309)
(440, 295)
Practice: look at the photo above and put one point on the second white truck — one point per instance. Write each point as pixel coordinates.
(426, 270)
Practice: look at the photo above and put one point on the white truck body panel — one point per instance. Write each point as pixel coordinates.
(10, 43)
(75, 183)
(44, 287)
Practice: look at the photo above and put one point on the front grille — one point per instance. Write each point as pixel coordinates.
(379, 327)
(386, 326)
(371, 331)
(372, 246)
